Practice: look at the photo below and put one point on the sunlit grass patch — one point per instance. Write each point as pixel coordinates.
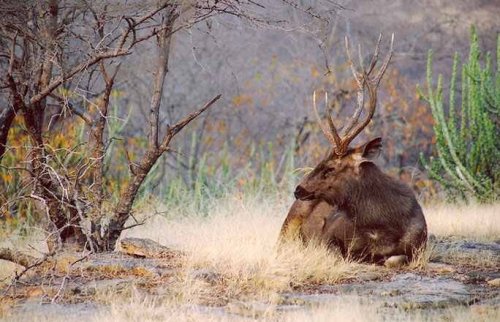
(236, 244)
(347, 308)
(474, 221)
(30, 241)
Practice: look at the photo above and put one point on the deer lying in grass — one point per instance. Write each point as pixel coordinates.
(347, 202)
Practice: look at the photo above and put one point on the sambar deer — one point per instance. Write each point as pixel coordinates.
(347, 202)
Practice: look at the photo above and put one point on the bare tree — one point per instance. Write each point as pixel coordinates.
(61, 61)
(39, 60)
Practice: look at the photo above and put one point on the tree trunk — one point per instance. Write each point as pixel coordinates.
(61, 219)
(164, 39)
(6, 118)
(127, 198)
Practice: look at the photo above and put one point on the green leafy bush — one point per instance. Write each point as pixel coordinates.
(467, 133)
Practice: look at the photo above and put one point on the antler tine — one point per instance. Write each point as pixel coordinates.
(331, 135)
(371, 111)
(351, 64)
(360, 95)
(355, 117)
(387, 60)
(360, 57)
(333, 129)
(375, 55)
(360, 92)
(354, 127)
(372, 84)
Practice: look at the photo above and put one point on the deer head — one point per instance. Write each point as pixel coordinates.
(341, 173)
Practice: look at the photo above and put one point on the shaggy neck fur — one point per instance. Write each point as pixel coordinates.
(377, 199)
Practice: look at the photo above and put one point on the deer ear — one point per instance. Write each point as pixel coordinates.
(366, 153)
(371, 150)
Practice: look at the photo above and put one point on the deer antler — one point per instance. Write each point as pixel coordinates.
(331, 135)
(363, 80)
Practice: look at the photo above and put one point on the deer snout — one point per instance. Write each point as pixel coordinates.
(302, 194)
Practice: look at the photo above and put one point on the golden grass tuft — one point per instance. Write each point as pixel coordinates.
(236, 242)
(148, 309)
(473, 222)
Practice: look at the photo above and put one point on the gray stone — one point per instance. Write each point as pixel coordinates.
(31, 310)
(407, 291)
(451, 251)
(250, 309)
(206, 275)
(115, 285)
(145, 247)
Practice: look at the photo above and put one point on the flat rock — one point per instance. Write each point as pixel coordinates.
(145, 247)
(115, 285)
(249, 309)
(206, 275)
(407, 291)
(465, 252)
(35, 311)
(116, 263)
(368, 276)
(440, 268)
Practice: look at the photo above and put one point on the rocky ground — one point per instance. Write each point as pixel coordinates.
(459, 274)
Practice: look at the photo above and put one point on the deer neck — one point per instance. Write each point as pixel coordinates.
(376, 197)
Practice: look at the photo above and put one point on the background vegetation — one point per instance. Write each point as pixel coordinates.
(265, 58)
(467, 142)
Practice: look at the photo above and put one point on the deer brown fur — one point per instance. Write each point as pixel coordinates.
(347, 202)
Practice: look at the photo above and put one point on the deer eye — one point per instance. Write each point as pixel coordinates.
(328, 171)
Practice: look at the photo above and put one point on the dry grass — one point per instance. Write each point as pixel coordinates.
(33, 244)
(473, 222)
(349, 308)
(236, 242)
(232, 256)
(146, 309)
(456, 223)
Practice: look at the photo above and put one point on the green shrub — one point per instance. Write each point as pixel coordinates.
(467, 135)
